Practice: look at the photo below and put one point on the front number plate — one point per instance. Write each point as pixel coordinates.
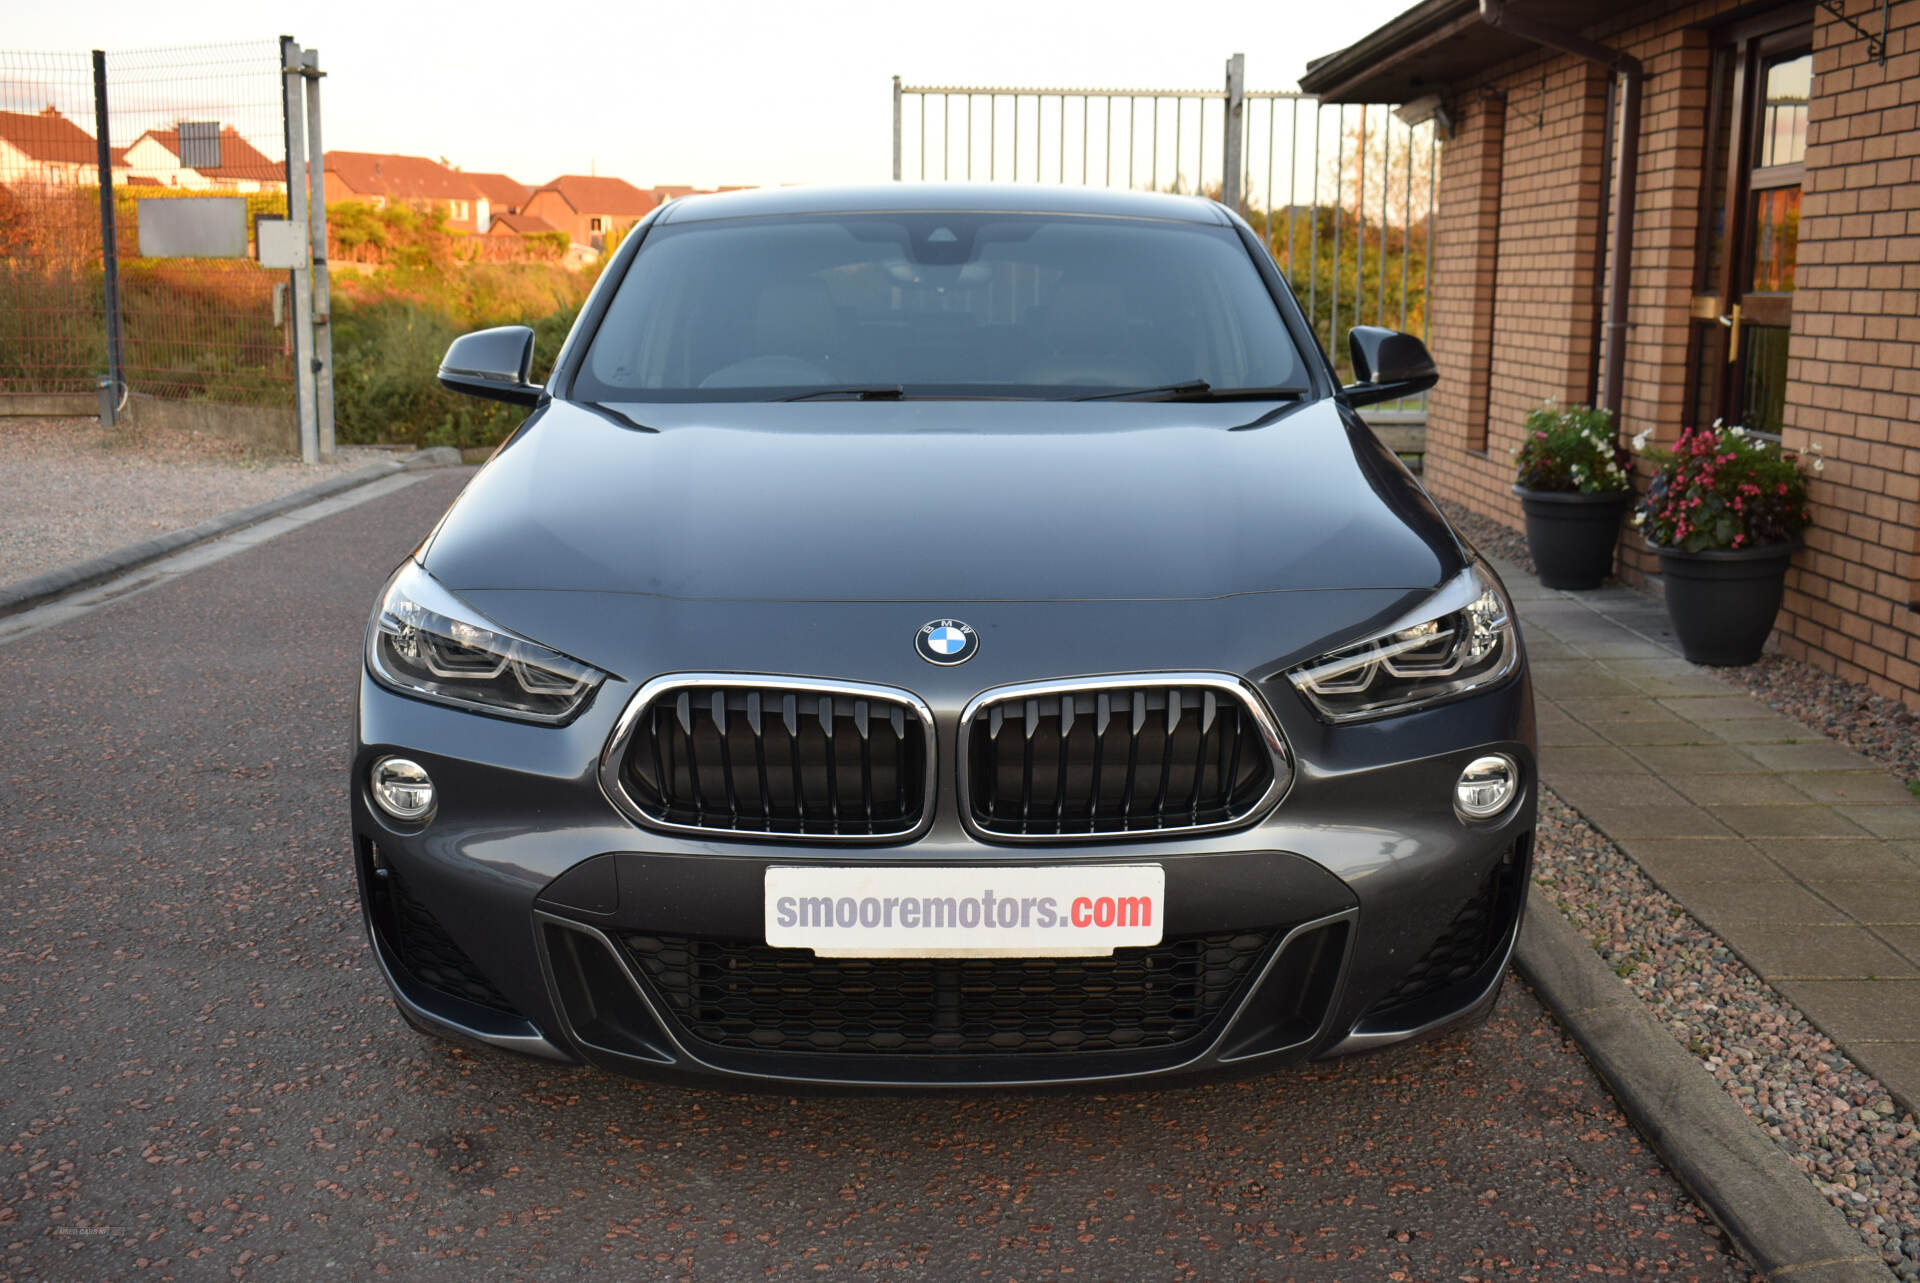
(1055, 912)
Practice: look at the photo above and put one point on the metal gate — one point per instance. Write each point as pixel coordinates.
(1344, 195)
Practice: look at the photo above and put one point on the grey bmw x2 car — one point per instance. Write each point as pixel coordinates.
(940, 637)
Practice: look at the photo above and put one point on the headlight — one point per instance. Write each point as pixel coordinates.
(1460, 641)
(425, 641)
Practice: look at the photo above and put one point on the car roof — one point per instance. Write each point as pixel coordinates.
(1030, 198)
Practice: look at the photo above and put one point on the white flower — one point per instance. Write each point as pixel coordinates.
(1819, 465)
(1639, 519)
(1739, 431)
(1640, 438)
(1717, 423)
(1813, 447)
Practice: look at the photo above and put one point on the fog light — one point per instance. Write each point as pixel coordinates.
(401, 788)
(1486, 786)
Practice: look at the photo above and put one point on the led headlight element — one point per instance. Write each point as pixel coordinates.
(424, 641)
(1461, 640)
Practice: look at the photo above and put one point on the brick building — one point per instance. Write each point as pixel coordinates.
(589, 208)
(1775, 260)
(378, 178)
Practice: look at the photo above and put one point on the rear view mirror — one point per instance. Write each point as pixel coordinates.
(496, 364)
(1387, 365)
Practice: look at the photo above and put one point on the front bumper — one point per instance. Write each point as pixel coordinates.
(509, 918)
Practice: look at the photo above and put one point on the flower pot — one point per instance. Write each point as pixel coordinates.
(1571, 535)
(1722, 603)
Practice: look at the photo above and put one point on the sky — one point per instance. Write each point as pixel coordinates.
(701, 93)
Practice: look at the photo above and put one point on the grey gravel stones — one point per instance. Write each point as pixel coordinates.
(1834, 1121)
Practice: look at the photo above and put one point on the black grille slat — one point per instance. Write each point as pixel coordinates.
(778, 761)
(1134, 759)
(751, 997)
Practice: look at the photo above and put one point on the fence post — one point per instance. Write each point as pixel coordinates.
(301, 317)
(322, 287)
(1232, 164)
(111, 396)
(896, 129)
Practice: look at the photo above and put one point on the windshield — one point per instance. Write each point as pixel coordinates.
(937, 304)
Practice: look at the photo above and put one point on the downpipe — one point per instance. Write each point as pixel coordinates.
(1497, 13)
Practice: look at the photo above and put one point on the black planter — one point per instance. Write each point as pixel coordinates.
(1723, 603)
(1571, 536)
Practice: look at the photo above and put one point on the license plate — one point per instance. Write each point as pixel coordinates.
(1054, 912)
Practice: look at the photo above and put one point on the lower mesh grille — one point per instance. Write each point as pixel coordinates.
(424, 947)
(752, 997)
(1471, 939)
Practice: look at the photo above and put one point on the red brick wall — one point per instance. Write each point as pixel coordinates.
(1854, 359)
(1854, 371)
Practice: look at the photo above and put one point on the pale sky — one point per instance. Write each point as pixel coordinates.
(702, 93)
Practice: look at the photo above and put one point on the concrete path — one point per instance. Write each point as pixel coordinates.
(1803, 855)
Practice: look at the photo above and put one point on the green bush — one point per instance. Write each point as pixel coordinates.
(385, 355)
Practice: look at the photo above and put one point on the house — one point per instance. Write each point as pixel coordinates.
(503, 195)
(511, 224)
(378, 179)
(216, 156)
(46, 148)
(1774, 247)
(588, 208)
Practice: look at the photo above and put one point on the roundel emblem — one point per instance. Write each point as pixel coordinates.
(946, 641)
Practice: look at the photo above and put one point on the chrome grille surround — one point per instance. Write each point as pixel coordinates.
(1226, 684)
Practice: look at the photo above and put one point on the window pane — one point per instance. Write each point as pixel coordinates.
(1783, 114)
(955, 302)
(1776, 239)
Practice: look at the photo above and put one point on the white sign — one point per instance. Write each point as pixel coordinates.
(1059, 911)
(280, 242)
(193, 226)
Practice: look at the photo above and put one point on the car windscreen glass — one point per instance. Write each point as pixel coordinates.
(936, 304)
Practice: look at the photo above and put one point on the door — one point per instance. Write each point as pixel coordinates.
(1757, 142)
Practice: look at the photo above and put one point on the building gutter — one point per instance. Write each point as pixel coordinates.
(1497, 13)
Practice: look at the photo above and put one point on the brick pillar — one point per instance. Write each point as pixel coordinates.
(1462, 278)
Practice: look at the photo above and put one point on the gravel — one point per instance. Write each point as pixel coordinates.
(1834, 1121)
(76, 491)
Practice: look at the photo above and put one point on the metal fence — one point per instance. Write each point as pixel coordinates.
(139, 292)
(1344, 195)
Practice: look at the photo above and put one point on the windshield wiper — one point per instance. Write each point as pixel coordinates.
(854, 391)
(1195, 390)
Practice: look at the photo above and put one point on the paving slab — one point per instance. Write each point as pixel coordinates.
(1669, 860)
(1853, 788)
(1762, 899)
(1761, 789)
(1681, 762)
(1823, 952)
(1875, 902)
(1810, 820)
(1869, 1010)
(1838, 859)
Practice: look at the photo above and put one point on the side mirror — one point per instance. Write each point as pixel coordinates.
(1388, 365)
(496, 364)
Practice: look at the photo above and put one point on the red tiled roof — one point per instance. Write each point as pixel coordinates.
(406, 177)
(523, 224)
(594, 195)
(238, 157)
(501, 191)
(46, 135)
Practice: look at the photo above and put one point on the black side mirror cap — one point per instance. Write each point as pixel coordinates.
(496, 364)
(1387, 365)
